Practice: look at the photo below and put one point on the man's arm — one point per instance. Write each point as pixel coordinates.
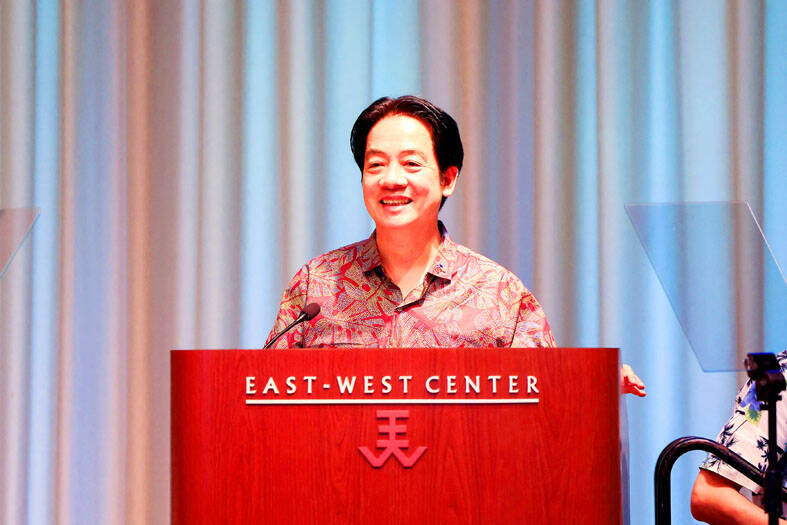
(531, 329)
(716, 500)
(292, 303)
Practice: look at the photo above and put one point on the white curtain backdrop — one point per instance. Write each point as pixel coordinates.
(188, 156)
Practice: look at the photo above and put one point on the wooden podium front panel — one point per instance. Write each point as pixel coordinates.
(551, 461)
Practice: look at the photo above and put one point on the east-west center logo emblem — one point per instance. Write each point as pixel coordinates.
(392, 444)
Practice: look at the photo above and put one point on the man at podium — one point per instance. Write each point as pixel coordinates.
(409, 284)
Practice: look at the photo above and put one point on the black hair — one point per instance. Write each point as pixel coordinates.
(442, 127)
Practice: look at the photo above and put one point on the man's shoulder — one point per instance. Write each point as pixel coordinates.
(339, 257)
(470, 265)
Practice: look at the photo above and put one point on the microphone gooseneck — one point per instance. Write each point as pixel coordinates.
(309, 312)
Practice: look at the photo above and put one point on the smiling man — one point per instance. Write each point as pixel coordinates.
(409, 284)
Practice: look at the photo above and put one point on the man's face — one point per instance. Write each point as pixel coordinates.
(402, 186)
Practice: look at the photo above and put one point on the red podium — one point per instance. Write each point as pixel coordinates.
(396, 436)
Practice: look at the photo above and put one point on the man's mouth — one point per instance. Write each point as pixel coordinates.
(399, 201)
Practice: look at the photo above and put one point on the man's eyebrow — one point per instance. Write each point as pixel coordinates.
(411, 152)
(370, 152)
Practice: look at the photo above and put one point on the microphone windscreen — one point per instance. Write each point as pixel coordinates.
(311, 310)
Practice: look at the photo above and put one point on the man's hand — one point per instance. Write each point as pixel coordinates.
(716, 500)
(630, 383)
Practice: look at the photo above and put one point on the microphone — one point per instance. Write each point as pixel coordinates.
(308, 313)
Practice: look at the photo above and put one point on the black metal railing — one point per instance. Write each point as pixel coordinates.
(680, 446)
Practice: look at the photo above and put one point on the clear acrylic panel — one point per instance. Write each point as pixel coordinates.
(720, 276)
(15, 225)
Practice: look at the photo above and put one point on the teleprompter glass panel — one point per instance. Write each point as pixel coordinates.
(15, 225)
(720, 276)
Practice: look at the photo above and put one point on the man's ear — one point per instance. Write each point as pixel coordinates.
(448, 180)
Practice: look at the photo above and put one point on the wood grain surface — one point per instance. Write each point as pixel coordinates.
(554, 461)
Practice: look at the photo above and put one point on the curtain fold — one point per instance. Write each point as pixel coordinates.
(17, 50)
(189, 156)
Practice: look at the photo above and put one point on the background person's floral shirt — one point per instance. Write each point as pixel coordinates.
(746, 434)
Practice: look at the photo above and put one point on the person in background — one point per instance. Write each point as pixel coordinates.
(718, 493)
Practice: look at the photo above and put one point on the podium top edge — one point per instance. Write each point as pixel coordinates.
(386, 349)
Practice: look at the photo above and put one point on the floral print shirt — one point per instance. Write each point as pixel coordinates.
(465, 300)
(746, 434)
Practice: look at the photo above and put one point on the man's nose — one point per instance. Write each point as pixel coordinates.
(393, 177)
